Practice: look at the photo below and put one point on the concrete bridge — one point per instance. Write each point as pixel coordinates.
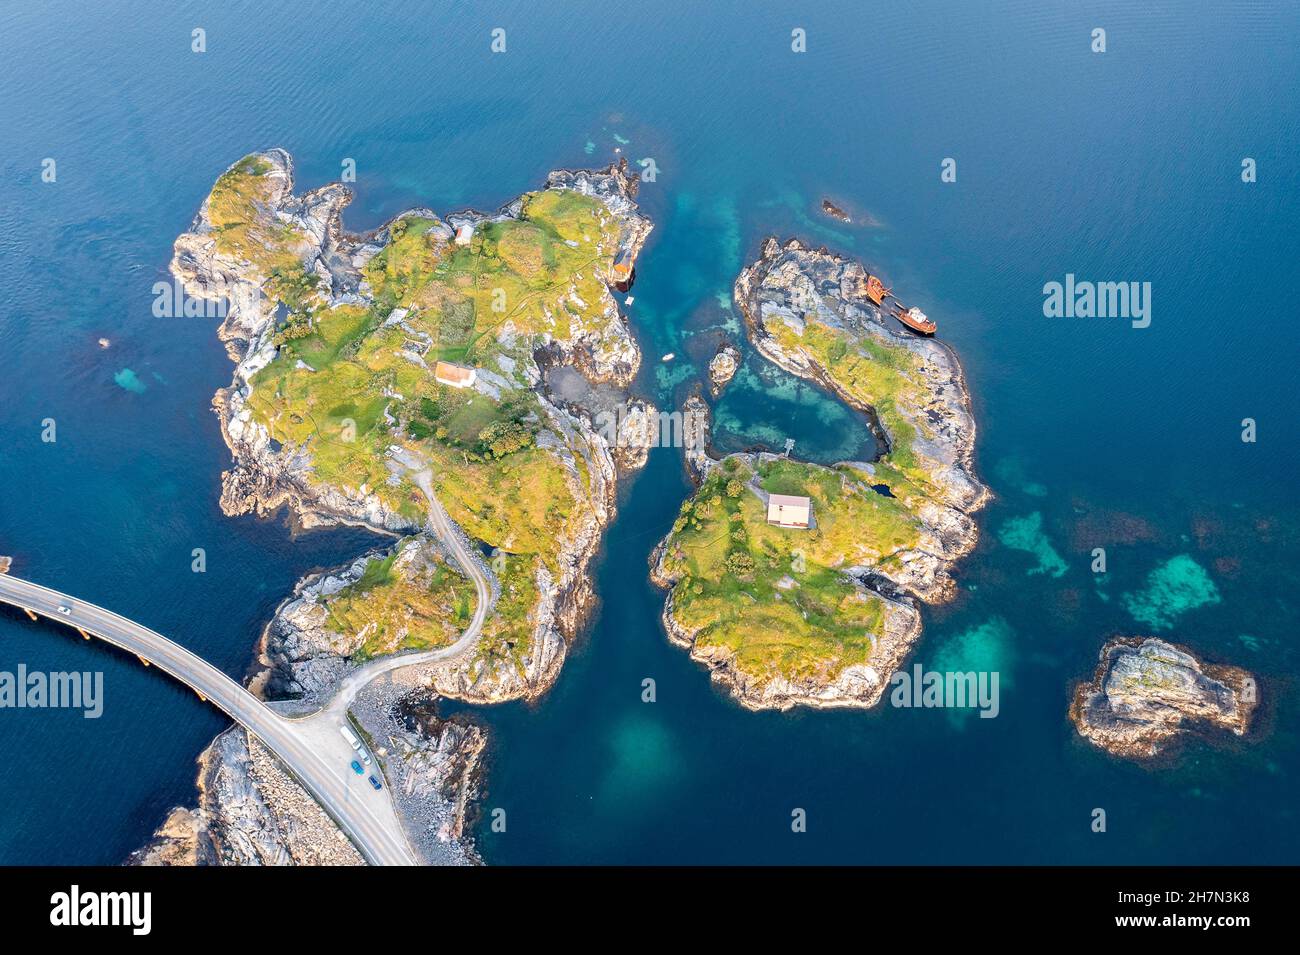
(312, 749)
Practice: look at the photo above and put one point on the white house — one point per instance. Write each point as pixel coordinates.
(457, 376)
(787, 510)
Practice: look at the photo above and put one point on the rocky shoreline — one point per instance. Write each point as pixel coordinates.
(302, 660)
(794, 288)
(249, 812)
(794, 278)
(1148, 695)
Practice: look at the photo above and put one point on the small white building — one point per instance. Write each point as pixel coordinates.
(464, 232)
(787, 510)
(457, 376)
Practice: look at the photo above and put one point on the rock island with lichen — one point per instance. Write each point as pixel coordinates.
(1147, 694)
(822, 616)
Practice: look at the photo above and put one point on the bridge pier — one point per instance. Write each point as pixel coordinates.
(83, 633)
(142, 659)
(29, 613)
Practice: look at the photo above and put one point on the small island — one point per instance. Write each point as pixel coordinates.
(723, 367)
(835, 212)
(1148, 694)
(795, 582)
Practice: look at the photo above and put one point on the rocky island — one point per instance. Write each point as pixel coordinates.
(795, 582)
(723, 367)
(399, 381)
(1147, 694)
(835, 212)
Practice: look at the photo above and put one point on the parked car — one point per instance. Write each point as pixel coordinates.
(376, 783)
(356, 768)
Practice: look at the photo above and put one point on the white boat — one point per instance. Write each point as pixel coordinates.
(669, 357)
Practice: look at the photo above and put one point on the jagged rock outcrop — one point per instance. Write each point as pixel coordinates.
(835, 212)
(723, 367)
(1146, 694)
(250, 812)
(696, 419)
(437, 765)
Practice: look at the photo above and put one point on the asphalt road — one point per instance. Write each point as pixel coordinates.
(440, 525)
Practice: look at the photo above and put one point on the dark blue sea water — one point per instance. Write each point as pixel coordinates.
(1116, 166)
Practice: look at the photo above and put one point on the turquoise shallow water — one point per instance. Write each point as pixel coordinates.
(1113, 167)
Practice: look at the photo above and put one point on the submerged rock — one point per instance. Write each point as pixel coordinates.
(1172, 589)
(1027, 534)
(1147, 693)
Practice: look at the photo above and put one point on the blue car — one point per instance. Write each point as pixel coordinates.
(374, 782)
(356, 768)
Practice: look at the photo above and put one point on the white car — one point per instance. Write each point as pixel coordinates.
(65, 610)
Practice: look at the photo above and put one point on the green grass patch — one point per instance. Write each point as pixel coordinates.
(775, 596)
(411, 599)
